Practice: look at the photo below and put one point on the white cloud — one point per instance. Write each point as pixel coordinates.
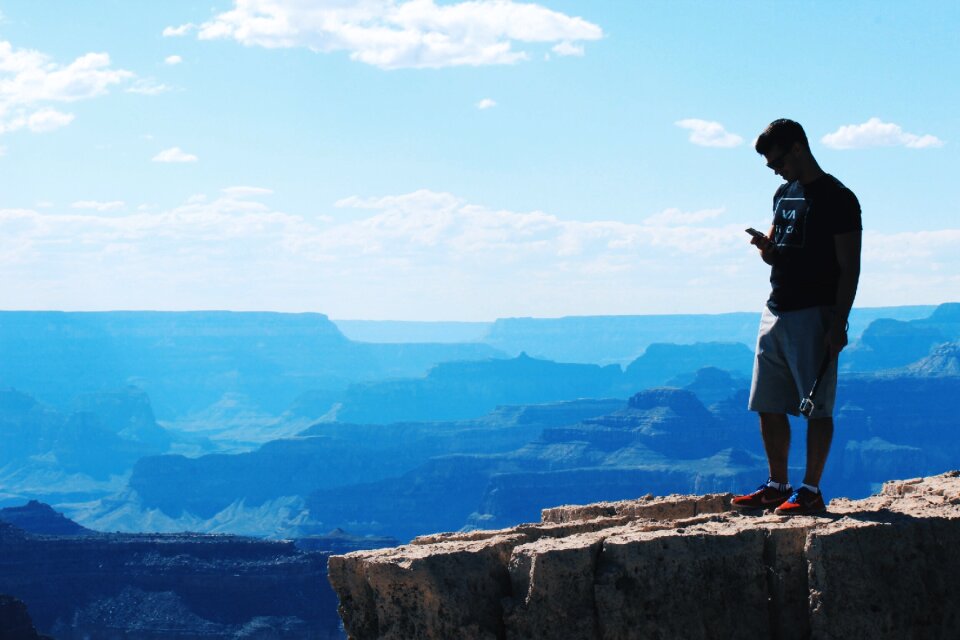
(425, 253)
(418, 255)
(400, 33)
(148, 87)
(97, 205)
(47, 120)
(675, 217)
(706, 133)
(31, 80)
(174, 154)
(915, 267)
(486, 103)
(182, 30)
(241, 191)
(876, 133)
(171, 60)
(568, 49)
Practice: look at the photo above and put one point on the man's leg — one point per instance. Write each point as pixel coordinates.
(819, 437)
(775, 429)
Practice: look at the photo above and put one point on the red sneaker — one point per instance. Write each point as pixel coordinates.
(803, 502)
(765, 497)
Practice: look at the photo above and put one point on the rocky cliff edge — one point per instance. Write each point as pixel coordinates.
(674, 567)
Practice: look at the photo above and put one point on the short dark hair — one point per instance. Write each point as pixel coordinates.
(781, 133)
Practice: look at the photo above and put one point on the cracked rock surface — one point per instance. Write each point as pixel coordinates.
(887, 566)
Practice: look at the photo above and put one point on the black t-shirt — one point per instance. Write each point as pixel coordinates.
(805, 219)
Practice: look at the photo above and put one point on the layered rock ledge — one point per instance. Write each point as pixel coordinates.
(887, 566)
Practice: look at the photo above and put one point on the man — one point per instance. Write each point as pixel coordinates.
(813, 249)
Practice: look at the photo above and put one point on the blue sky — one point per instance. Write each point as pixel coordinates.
(447, 160)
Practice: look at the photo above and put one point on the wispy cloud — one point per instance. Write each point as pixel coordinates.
(568, 49)
(172, 60)
(675, 217)
(423, 254)
(174, 154)
(30, 81)
(876, 133)
(97, 205)
(46, 120)
(395, 34)
(148, 87)
(486, 103)
(177, 32)
(241, 191)
(706, 133)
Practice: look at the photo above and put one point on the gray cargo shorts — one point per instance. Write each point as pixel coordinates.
(790, 349)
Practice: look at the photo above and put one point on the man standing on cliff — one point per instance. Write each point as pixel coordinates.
(813, 249)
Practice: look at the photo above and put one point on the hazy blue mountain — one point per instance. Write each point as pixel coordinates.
(397, 437)
(393, 331)
(127, 412)
(711, 385)
(39, 518)
(403, 480)
(622, 339)
(661, 363)
(58, 456)
(615, 339)
(662, 440)
(326, 455)
(461, 390)
(890, 344)
(188, 361)
(944, 360)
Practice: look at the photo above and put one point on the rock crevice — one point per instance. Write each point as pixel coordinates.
(674, 567)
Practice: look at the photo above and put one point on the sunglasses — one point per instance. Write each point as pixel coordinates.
(778, 162)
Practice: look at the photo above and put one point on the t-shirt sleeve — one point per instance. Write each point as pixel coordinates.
(846, 215)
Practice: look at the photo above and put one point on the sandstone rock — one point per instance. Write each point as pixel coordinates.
(675, 567)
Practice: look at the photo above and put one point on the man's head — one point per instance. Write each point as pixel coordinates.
(785, 147)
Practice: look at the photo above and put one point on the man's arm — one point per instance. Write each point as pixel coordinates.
(847, 246)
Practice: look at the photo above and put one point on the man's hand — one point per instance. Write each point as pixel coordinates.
(768, 250)
(836, 338)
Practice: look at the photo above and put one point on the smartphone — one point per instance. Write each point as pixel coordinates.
(755, 233)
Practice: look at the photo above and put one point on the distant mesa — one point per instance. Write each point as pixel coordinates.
(38, 518)
(943, 361)
(663, 363)
(948, 312)
(679, 400)
(891, 344)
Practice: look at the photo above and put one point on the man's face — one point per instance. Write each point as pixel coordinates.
(783, 162)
